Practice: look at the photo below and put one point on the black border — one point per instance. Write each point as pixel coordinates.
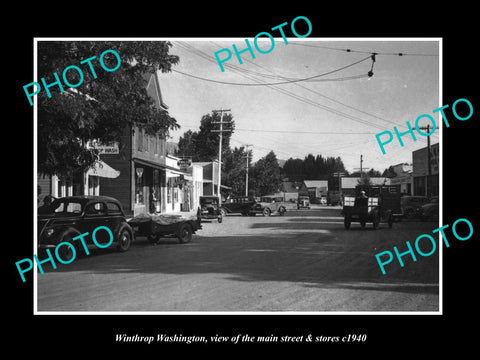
(406, 334)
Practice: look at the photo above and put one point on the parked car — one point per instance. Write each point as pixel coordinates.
(430, 210)
(334, 198)
(71, 216)
(411, 204)
(303, 202)
(269, 205)
(238, 204)
(210, 208)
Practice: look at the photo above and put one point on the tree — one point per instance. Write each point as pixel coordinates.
(202, 145)
(234, 174)
(266, 175)
(365, 180)
(186, 145)
(102, 106)
(390, 173)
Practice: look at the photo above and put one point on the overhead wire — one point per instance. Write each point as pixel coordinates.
(248, 74)
(279, 82)
(362, 51)
(296, 96)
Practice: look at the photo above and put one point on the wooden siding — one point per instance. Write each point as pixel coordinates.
(120, 187)
(44, 187)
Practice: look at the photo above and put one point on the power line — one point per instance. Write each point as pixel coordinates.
(276, 83)
(291, 94)
(363, 52)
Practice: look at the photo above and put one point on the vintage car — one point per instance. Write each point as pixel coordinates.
(269, 205)
(410, 205)
(238, 204)
(210, 208)
(303, 202)
(71, 216)
(372, 204)
(430, 210)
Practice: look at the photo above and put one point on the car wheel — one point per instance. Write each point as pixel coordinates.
(362, 224)
(220, 218)
(124, 241)
(65, 252)
(153, 239)
(376, 221)
(347, 222)
(281, 211)
(266, 212)
(185, 233)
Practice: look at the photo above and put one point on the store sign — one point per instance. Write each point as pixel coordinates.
(110, 148)
(183, 164)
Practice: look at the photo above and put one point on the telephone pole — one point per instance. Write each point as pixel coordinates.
(221, 131)
(247, 156)
(361, 167)
(429, 173)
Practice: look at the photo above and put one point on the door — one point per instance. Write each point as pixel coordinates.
(95, 215)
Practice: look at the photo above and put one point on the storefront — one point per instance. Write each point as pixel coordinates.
(423, 184)
(79, 183)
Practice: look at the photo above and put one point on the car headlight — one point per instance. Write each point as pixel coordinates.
(49, 232)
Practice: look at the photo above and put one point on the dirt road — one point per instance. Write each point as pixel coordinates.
(304, 261)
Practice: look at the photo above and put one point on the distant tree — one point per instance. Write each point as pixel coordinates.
(266, 175)
(374, 173)
(186, 145)
(294, 169)
(365, 180)
(312, 167)
(234, 172)
(102, 106)
(389, 172)
(202, 145)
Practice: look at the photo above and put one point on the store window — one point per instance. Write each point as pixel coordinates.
(139, 183)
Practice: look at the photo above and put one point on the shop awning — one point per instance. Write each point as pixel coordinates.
(102, 169)
(174, 173)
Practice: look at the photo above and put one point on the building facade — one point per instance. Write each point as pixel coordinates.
(404, 177)
(424, 185)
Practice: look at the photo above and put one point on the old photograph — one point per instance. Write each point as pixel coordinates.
(273, 174)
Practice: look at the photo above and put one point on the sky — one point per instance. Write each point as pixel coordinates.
(335, 113)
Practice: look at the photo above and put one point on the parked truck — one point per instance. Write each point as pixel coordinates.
(373, 204)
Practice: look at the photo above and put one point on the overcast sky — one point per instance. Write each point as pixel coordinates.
(327, 117)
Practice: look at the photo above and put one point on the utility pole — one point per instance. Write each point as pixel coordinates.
(221, 131)
(427, 183)
(361, 167)
(247, 155)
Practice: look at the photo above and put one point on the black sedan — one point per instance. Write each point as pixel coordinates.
(68, 217)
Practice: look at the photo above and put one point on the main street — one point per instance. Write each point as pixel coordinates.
(303, 261)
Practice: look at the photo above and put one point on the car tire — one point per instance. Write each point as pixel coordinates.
(220, 218)
(185, 233)
(65, 252)
(124, 240)
(266, 212)
(347, 222)
(390, 221)
(153, 239)
(376, 221)
(282, 211)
